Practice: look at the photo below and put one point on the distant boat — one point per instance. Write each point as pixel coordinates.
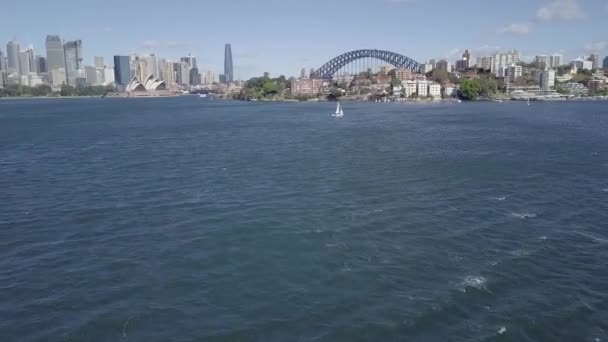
(499, 101)
(528, 101)
(202, 95)
(339, 112)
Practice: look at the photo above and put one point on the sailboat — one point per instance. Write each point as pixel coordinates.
(339, 112)
(528, 100)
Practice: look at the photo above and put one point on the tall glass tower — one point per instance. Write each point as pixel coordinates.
(73, 60)
(122, 70)
(12, 54)
(228, 68)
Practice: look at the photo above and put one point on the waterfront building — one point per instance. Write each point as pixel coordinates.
(55, 56)
(41, 65)
(422, 87)
(228, 67)
(409, 87)
(122, 71)
(513, 72)
(595, 61)
(500, 62)
(403, 74)
(73, 61)
(574, 88)
(58, 76)
(582, 64)
(451, 90)
(546, 79)
(306, 87)
(434, 90)
(605, 63)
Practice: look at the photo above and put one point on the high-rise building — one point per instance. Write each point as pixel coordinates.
(555, 61)
(58, 76)
(41, 66)
(108, 76)
(122, 71)
(24, 63)
(99, 62)
(484, 63)
(595, 60)
(501, 61)
(209, 77)
(1, 61)
(513, 72)
(546, 79)
(151, 65)
(182, 73)
(73, 61)
(168, 72)
(195, 77)
(191, 60)
(55, 56)
(228, 67)
(12, 54)
(90, 74)
(442, 65)
(467, 59)
(303, 73)
(605, 64)
(582, 64)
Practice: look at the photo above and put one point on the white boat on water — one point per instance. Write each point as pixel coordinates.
(339, 112)
(202, 95)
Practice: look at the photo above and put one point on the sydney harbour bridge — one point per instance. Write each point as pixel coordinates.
(366, 60)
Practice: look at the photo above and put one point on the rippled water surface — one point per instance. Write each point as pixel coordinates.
(191, 220)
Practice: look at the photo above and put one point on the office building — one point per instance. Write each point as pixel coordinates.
(546, 79)
(484, 63)
(122, 71)
(605, 63)
(40, 63)
(428, 67)
(90, 75)
(542, 61)
(108, 76)
(222, 78)
(182, 73)
(442, 65)
(209, 77)
(12, 55)
(191, 60)
(151, 66)
(58, 76)
(168, 72)
(2, 67)
(195, 77)
(73, 61)
(501, 61)
(55, 57)
(24, 63)
(99, 62)
(595, 61)
(465, 62)
(228, 67)
(303, 73)
(513, 72)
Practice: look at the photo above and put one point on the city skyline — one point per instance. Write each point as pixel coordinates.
(295, 40)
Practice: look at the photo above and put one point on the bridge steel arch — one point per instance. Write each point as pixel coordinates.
(329, 69)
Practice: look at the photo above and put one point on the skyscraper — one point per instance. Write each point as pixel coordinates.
(228, 67)
(41, 67)
(99, 62)
(73, 60)
(595, 59)
(1, 61)
(12, 53)
(122, 70)
(55, 58)
(605, 64)
(90, 75)
(191, 60)
(24, 63)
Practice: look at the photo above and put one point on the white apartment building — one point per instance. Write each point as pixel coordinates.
(513, 72)
(435, 90)
(546, 79)
(410, 87)
(422, 88)
(581, 63)
(501, 61)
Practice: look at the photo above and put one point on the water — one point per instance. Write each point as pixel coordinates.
(191, 220)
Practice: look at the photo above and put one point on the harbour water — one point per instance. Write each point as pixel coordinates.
(184, 219)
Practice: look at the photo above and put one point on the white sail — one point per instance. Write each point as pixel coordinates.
(339, 112)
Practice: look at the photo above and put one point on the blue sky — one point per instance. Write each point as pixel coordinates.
(281, 37)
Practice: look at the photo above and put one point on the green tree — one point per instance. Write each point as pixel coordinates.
(439, 76)
(469, 89)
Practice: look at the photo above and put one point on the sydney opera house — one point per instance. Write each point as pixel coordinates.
(150, 87)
